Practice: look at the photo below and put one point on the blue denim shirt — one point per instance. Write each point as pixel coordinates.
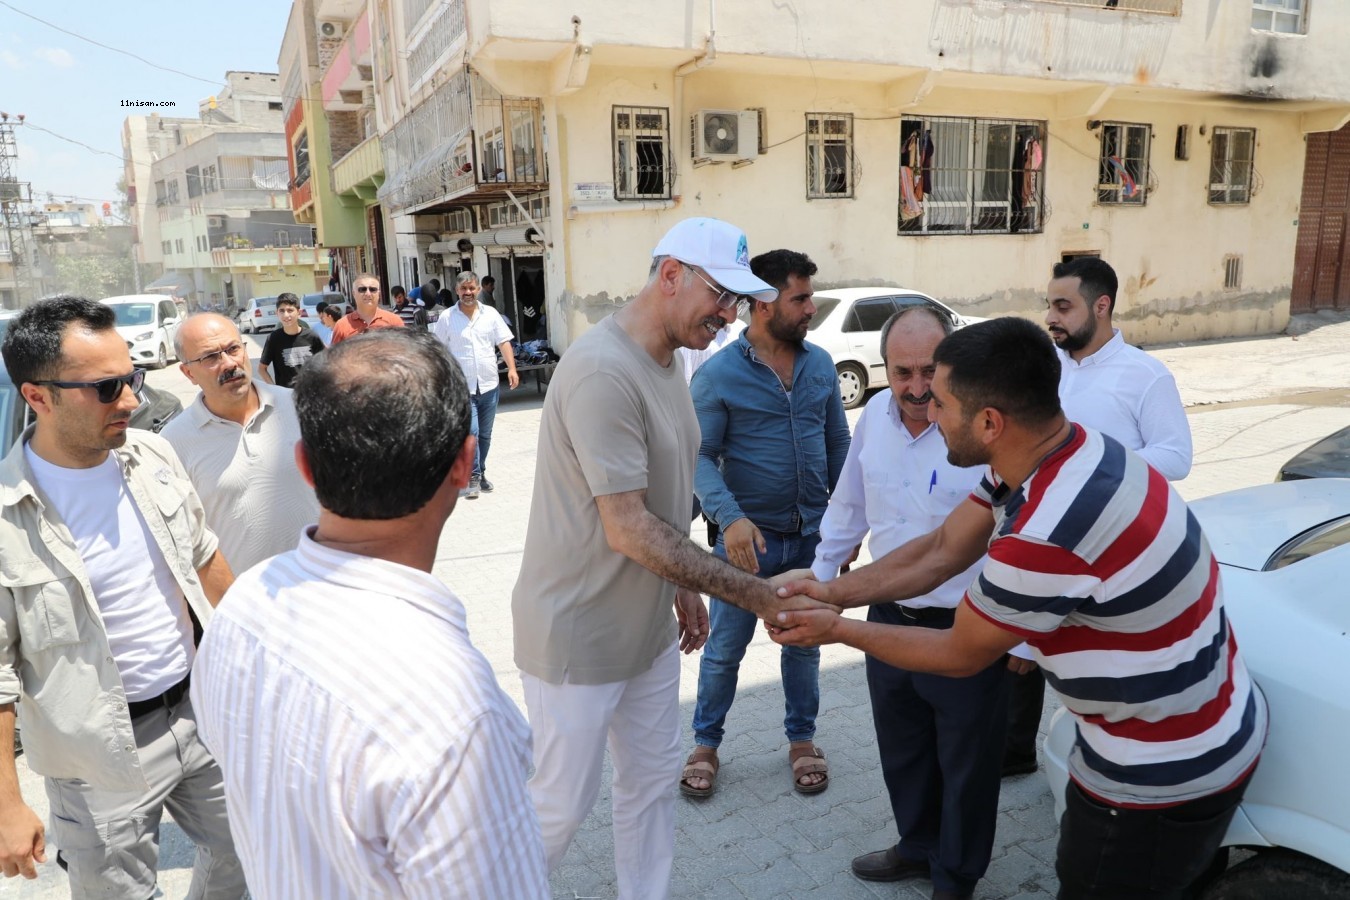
(765, 453)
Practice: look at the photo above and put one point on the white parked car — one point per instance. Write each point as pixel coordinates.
(148, 323)
(1284, 557)
(259, 315)
(848, 324)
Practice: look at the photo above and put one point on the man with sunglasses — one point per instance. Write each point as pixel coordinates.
(237, 442)
(109, 573)
(607, 556)
(368, 313)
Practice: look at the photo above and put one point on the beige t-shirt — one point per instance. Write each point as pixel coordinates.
(614, 421)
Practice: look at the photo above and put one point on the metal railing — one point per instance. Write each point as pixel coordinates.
(1158, 7)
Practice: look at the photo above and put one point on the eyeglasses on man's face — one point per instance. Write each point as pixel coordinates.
(106, 389)
(725, 299)
(367, 289)
(215, 356)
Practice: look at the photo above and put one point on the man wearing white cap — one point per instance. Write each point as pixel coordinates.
(607, 555)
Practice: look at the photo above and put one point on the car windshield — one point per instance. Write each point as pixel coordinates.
(4, 326)
(133, 313)
(824, 306)
(9, 404)
(1327, 536)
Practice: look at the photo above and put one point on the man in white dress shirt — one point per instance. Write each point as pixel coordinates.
(473, 333)
(237, 442)
(939, 738)
(1117, 389)
(368, 750)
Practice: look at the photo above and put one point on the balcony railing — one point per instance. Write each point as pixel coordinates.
(1158, 7)
(361, 170)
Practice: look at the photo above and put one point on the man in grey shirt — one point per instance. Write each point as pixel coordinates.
(595, 639)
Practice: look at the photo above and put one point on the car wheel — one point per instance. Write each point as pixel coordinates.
(852, 384)
(1280, 875)
(162, 359)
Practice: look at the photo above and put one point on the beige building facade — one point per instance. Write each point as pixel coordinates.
(960, 147)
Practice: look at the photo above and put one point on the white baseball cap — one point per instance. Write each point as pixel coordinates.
(719, 249)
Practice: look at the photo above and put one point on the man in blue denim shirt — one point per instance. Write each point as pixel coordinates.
(774, 440)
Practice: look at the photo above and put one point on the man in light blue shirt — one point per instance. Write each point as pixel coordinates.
(774, 438)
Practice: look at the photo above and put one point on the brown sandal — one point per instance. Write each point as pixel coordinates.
(808, 761)
(702, 763)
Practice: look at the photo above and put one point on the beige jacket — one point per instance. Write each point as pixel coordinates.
(54, 655)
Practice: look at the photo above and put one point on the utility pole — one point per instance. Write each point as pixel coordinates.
(15, 196)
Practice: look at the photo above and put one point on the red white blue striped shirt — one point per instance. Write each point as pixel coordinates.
(1101, 567)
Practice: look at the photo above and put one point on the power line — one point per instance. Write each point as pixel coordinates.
(62, 137)
(88, 40)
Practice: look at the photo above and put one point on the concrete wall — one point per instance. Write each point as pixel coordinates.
(1169, 253)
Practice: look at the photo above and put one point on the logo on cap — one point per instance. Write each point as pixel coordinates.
(743, 253)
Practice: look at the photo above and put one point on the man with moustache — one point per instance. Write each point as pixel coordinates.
(1132, 633)
(607, 555)
(236, 441)
(109, 570)
(940, 739)
(1117, 389)
(774, 438)
(473, 334)
(368, 314)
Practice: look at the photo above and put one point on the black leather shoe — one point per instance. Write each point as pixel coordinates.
(1016, 765)
(888, 865)
(941, 894)
(484, 485)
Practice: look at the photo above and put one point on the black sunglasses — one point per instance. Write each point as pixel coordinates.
(109, 389)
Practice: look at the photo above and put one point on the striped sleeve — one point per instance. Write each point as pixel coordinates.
(1029, 587)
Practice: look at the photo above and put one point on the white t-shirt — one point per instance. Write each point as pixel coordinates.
(144, 612)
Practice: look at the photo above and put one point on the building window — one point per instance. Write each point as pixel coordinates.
(1232, 152)
(642, 168)
(178, 245)
(165, 247)
(1123, 165)
(172, 185)
(283, 238)
(829, 155)
(1281, 16)
(301, 159)
(210, 183)
(971, 176)
(194, 181)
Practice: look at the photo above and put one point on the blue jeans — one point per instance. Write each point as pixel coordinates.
(483, 410)
(732, 629)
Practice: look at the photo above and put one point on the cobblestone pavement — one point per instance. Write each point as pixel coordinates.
(1252, 404)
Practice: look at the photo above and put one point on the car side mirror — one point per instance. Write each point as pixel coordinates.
(171, 320)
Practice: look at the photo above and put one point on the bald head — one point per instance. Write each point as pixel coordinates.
(199, 327)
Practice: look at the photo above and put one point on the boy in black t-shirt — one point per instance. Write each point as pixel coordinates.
(288, 347)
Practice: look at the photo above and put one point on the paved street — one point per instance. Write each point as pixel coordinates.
(1252, 404)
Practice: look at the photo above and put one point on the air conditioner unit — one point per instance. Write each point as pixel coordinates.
(724, 134)
(215, 221)
(331, 30)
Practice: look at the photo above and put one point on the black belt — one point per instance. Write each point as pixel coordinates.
(166, 700)
(928, 614)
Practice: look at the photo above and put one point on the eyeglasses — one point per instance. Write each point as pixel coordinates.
(367, 289)
(109, 389)
(725, 299)
(215, 355)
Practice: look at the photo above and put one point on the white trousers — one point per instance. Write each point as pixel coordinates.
(640, 720)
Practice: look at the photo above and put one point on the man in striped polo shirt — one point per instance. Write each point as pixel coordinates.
(1098, 564)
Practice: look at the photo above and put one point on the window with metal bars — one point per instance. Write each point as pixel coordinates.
(971, 176)
(1232, 154)
(1123, 165)
(641, 153)
(829, 155)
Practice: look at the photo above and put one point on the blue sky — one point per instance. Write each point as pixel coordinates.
(74, 88)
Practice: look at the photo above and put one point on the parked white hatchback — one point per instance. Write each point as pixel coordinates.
(1284, 557)
(848, 324)
(148, 323)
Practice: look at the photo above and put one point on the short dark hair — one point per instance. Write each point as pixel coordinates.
(777, 265)
(945, 322)
(32, 348)
(1008, 363)
(434, 285)
(488, 281)
(397, 291)
(1095, 277)
(287, 299)
(390, 394)
(320, 307)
